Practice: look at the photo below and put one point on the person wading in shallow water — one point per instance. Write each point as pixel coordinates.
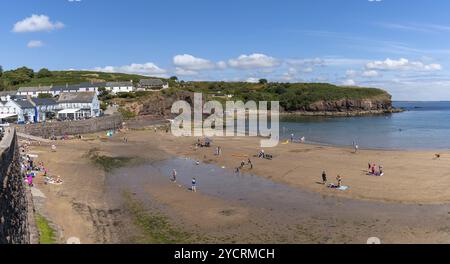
(194, 185)
(174, 175)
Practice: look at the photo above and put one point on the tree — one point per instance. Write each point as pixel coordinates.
(25, 71)
(263, 81)
(174, 78)
(43, 73)
(1, 70)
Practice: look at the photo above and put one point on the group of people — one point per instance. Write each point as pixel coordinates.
(301, 140)
(331, 185)
(218, 151)
(243, 164)
(375, 170)
(193, 182)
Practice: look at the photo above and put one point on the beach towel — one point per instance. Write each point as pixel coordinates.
(343, 188)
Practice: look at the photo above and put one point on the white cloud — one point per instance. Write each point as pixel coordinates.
(149, 69)
(189, 62)
(35, 44)
(290, 75)
(370, 73)
(402, 64)
(349, 82)
(351, 73)
(181, 71)
(36, 23)
(252, 80)
(253, 61)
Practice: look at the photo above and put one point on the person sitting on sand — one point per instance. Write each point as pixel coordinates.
(261, 154)
(324, 178)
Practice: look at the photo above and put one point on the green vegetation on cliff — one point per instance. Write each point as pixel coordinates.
(12, 79)
(292, 96)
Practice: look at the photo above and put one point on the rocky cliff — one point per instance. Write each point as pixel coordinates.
(159, 105)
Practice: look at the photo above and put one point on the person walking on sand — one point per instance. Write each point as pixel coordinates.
(324, 178)
(339, 181)
(356, 148)
(250, 164)
(292, 138)
(194, 185)
(174, 175)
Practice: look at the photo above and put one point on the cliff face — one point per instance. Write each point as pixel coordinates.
(349, 105)
(159, 105)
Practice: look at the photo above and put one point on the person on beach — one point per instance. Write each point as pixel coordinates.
(370, 166)
(194, 185)
(324, 178)
(373, 169)
(30, 180)
(249, 162)
(242, 164)
(292, 138)
(339, 181)
(303, 140)
(174, 175)
(356, 148)
(262, 155)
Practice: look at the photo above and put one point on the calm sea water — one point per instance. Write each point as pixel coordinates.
(426, 125)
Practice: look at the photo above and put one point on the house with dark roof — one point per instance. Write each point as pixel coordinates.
(6, 95)
(75, 106)
(24, 109)
(77, 88)
(119, 87)
(34, 91)
(152, 85)
(45, 108)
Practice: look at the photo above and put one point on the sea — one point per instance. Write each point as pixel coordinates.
(423, 126)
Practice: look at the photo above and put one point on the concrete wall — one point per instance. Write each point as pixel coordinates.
(16, 207)
(46, 130)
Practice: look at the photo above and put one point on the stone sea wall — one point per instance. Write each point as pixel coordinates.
(49, 129)
(16, 206)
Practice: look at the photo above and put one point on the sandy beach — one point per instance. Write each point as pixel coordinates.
(405, 205)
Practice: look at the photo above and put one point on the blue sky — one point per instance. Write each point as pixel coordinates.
(402, 46)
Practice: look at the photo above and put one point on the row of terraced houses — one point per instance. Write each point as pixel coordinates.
(68, 102)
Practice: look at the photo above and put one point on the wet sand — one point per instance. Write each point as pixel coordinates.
(279, 201)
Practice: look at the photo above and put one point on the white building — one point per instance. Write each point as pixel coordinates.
(77, 106)
(119, 87)
(152, 85)
(34, 91)
(23, 109)
(79, 88)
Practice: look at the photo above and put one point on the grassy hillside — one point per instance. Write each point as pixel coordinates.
(292, 96)
(11, 80)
